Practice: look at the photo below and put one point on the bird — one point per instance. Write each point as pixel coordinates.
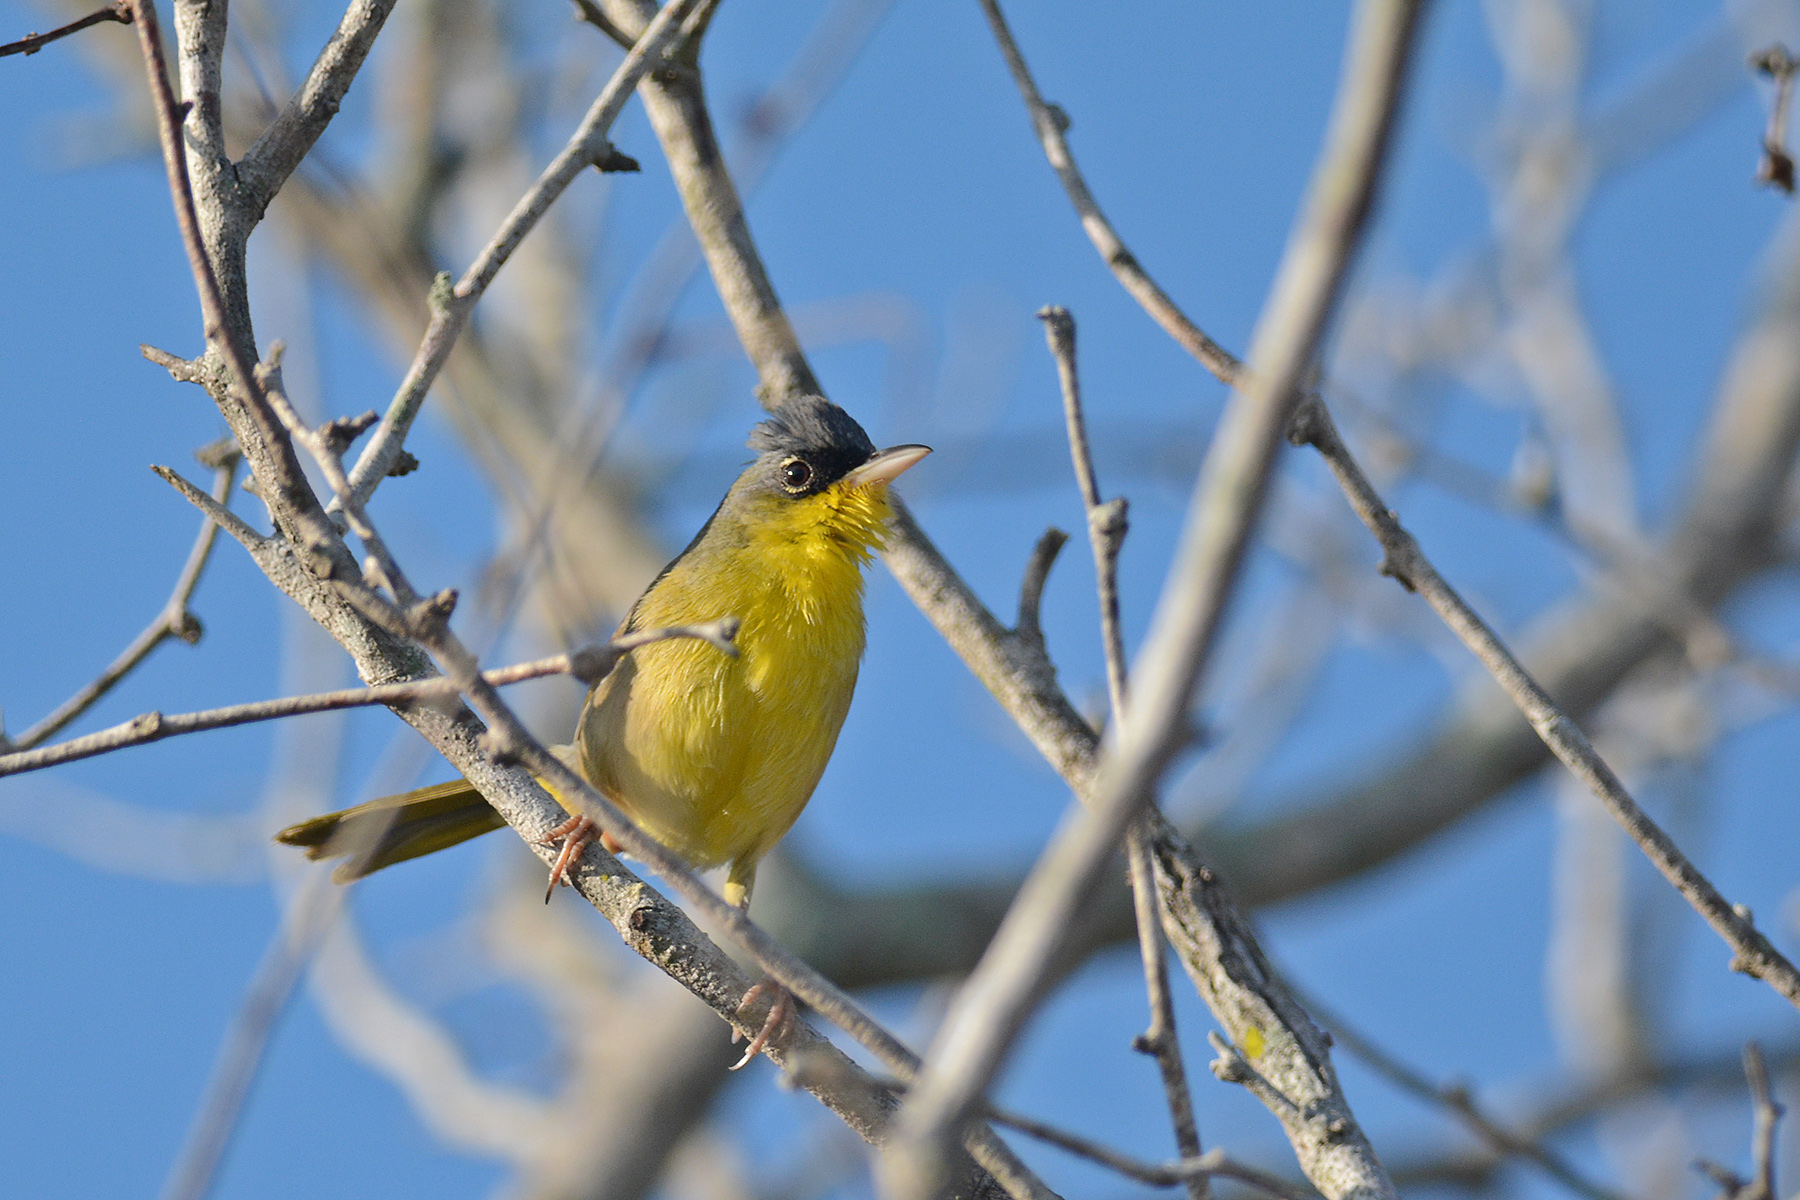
(714, 756)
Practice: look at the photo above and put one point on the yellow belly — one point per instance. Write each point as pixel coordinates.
(716, 756)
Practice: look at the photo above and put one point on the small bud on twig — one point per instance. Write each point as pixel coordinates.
(339, 432)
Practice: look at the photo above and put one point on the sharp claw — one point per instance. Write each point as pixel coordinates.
(780, 1012)
(577, 832)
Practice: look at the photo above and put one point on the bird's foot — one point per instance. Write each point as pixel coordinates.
(577, 832)
(781, 1011)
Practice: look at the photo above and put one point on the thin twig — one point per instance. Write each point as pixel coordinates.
(1752, 953)
(1459, 1100)
(1188, 1169)
(221, 516)
(326, 445)
(31, 43)
(1768, 1114)
(297, 128)
(590, 12)
(1106, 523)
(1166, 1174)
(590, 665)
(676, 104)
(1612, 561)
(452, 305)
(285, 490)
(1052, 124)
(174, 621)
(991, 1007)
(1029, 628)
(1765, 1113)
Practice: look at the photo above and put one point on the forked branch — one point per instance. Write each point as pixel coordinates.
(175, 620)
(31, 43)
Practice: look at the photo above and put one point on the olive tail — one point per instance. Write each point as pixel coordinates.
(394, 828)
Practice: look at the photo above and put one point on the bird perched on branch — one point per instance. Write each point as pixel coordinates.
(711, 755)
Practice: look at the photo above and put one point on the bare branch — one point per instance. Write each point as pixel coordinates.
(590, 665)
(1275, 1050)
(1190, 1169)
(272, 457)
(1723, 517)
(590, 12)
(676, 103)
(1052, 125)
(1564, 1105)
(1106, 522)
(174, 621)
(1765, 1114)
(1106, 532)
(215, 510)
(992, 1005)
(326, 447)
(1752, 952)
(1183, 1170)
(1031, 587)
(31, 43)
(1768, 1113)
(268, 163)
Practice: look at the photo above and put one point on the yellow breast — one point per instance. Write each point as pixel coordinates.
(715, 756)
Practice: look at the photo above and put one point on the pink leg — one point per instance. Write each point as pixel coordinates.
(780, 1013)
(578, 832)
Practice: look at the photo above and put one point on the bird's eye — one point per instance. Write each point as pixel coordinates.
(796, 473)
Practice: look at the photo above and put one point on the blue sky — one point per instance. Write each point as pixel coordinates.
(917, 185)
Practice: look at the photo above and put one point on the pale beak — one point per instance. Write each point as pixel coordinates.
(886, 466)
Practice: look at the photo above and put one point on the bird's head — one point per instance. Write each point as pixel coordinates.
(818, 476)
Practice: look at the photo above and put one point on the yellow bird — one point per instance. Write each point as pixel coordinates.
(711, 755)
